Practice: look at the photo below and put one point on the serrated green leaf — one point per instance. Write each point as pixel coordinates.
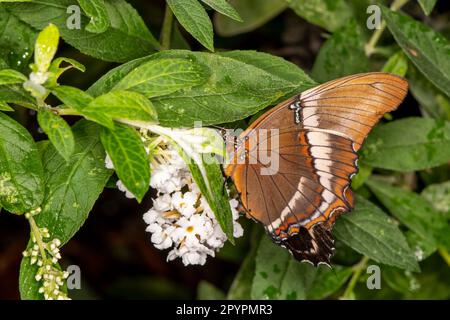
(397, 64)
(427, 49)
(329, 14)
(21, 173)
(193, 17)
(131, 163)
(408, 144)
(72, 188)
(413, 211)
(369, 231)
(163, 76)
(127, 37)
(240, 84)
(96, 10)
(46, 46)
(58, 132)
(9, 76)
(223, 7)
(254, 14)
(120, 105)
(345, 45)
(427, 5)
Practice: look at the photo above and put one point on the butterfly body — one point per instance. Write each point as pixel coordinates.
(314, 138)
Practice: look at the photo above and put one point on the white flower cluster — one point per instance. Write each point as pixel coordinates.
(181, 218)
(45, 254)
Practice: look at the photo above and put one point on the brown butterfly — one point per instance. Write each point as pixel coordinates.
(319, 132)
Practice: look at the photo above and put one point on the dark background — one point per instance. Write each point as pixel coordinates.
(114, 252)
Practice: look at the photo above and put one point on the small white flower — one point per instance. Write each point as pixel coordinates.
(185, 203)
(122, 188)
(108, 162)
(163, 203)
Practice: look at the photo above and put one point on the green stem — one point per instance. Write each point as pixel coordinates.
(445, 255)
(67, 112)
(37, 235)
(166, 31)
(357, 271)
(370, 46)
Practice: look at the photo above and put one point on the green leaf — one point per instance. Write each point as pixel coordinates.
(16, 94)
(207, 291)
(223, 7)
(127, 37)
(131, 163)
(422, 247)
(254, 14)
(71, 191)
(240, 288)
(72, 97)
(28, 286)
(214, 191)
(427, 49)
(9, 76)
(329, 14)
(96, 10)
(413, 211)
(21, 173)
(346, 44)
(17, 39)
(58, 132)
(109, 80)
(56, 70)
(120, 105)
(369, 231)
(240, 84)
(279, 276)
(439, 196)
(427, 5)
(193, 17)
(46, 46)
(72, 188)
(163, 76)
(408, 144)
(397, 64)
(327, 282)
(5, 107)
(426, 94)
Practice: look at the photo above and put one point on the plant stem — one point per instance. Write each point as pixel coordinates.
(445, 255)
(357, 270)
(37, 235)
(166, 31)
(67, 112)
(370, 46)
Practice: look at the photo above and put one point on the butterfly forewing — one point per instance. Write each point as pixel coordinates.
(318, 133)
